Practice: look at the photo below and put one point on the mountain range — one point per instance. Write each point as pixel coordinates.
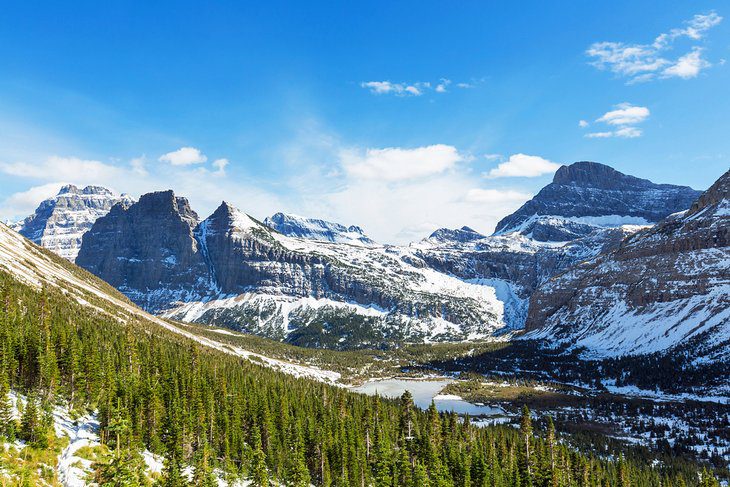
(322, 284)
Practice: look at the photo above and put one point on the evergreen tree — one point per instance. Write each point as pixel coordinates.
(30, 424)
(125, 469)
(526, 432)
(202, 469)
(7, 421)
(259, 471)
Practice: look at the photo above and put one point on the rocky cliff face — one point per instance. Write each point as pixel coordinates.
(316, 229)
(148, 251)
(513, 263)
(232, 270)
(60, 222)
(586, 196)
(664, 287)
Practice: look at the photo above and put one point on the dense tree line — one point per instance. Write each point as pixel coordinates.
(157, 390)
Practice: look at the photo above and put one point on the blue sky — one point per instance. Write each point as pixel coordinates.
(392, 116)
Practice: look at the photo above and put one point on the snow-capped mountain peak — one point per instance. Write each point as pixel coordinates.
(316, 229)
(586, 196)
(449, 235)
(60, 222)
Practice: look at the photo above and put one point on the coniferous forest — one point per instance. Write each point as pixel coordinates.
(199, 407)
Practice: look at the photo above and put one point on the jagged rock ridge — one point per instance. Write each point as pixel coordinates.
(316, 229)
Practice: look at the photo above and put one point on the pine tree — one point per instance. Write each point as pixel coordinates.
(7, 421)
(30, 425)
(259, 471)
(126, 469)
(203, 471)
(526, 432)
(298, 474)
(406, 415)
(550, 438)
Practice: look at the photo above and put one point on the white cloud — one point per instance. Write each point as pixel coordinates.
(599, 135)
(623, 117)
(441, 87)
(628, 132)
(438, 190)
(645, 62)
(398, 164)
(25, 202)
(493, 157)
(410, 210)
(623, 132)
(523, 165)
(203, 187)
(625, 114)
(398, 89)
(583, 124)
(687, 66)
(410, 89)
(184, 156)
(220, 166)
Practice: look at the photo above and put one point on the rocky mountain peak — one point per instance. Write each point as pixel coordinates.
(458, 235)
(59, 222)
(586, 196)
(72, 189)
(590, 174)
(161, 203)
(149, 244)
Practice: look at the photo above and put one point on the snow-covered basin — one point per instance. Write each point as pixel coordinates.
(423, 392)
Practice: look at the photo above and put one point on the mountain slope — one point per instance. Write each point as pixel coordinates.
(59, 223)
(585, 196)
(667, 287)
(38, 268)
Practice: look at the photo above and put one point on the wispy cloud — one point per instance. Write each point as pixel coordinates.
(417, 88)
(220, 166)
(645, 62)
(623, 120)
(625, 114)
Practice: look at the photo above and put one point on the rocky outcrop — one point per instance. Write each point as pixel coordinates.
(148, 251)
(585, 196)
(666, 286)
(458, 235)
(316, 229)
(60, 222)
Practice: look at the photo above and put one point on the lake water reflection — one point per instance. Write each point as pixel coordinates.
(423, 392)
